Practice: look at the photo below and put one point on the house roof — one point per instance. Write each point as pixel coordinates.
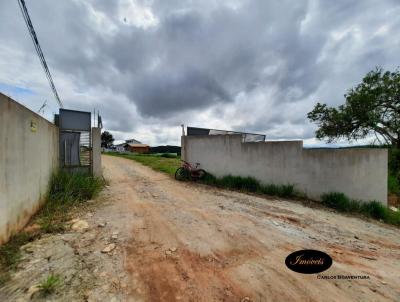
(132, 141)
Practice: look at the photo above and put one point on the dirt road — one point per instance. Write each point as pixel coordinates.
(189, 242)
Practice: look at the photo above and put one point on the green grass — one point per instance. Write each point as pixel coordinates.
(66, 191)
(162, 162)
(10, 253)
(250, 184)
(372, 209)
(50, 284)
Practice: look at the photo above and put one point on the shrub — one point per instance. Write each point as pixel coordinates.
(393, 184)
(240, 183)
(337, 201)
(209, 179)
(287, 191)
(373, 209)
(393, 217)
(73, 187)
(249, 184)
(66, 190)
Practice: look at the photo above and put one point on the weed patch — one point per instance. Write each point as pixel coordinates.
(66, 191)
(10, 253)
(372, 209)
(49, 285)
(249, 184)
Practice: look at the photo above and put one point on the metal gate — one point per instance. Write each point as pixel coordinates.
(75, 140)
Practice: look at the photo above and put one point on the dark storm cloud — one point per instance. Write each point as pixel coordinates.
(160, 94)
(260, 64)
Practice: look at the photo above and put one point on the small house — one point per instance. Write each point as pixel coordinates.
(132, 145)
(137, 148)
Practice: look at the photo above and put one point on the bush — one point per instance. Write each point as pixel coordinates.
(279, 190)
(393, 184)
(209, 179)
(338, 201)
(249, 184)
(73, 187)
(393, 217)
(66, 190)
(373, 209)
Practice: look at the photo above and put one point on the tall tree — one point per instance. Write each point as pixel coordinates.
(371, 108)
(106, 139)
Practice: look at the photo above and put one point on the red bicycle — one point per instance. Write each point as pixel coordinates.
(188, 172)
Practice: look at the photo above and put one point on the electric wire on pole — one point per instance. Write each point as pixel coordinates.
(38, 49)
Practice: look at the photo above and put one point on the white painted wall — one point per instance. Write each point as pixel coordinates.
(359, 173)
(28, 156)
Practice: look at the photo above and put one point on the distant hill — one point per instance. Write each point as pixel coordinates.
(166, 149)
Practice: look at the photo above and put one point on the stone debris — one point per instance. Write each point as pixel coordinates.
(170, 251)
(102, 224)
(246, 299)
(109, 248)
(394, 209)
(79, 225)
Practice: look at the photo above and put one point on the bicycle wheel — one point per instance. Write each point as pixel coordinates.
(181, 174)
(201, 173)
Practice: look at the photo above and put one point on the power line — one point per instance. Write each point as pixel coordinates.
(39, 52)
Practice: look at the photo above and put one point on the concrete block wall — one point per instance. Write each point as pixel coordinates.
(360, 173)
(28, 157)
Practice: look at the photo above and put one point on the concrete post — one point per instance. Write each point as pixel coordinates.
(183, 147)
(96, 152)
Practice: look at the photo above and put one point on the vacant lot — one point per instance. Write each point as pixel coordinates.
(156, 162)
(148, 237)
(195, 243)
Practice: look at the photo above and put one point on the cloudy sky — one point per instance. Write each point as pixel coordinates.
(149, 66)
